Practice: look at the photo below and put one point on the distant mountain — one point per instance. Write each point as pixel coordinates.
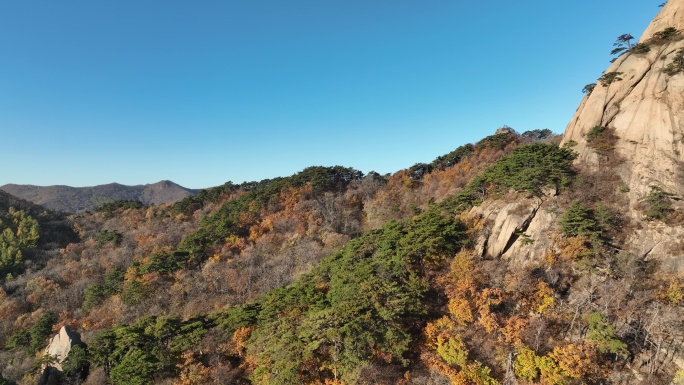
(8, 200)
(77, 199)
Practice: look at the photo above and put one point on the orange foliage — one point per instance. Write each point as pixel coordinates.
(66, 318)
(573, 248)
(576, 360)
(463, 276)
(193, 372)
(673, 293)
(512, 330)
(239, 339)
(485, 300)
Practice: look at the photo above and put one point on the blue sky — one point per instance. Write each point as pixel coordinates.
(202, 92)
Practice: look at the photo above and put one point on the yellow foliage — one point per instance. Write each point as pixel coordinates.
(131, 274)
(543, 297)
(459, 309)
(679, 378)
(550, 373)
(439, 328)
(463, 277)
(452, 350)
(526, 365)
(674, 293)
(488, 297)
(550, 258)
(488, 320)
(458, 378)
(478, 374)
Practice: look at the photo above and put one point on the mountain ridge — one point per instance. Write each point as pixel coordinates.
(79, 199)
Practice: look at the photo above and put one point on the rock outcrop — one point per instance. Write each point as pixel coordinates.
(506, 222)
(58, 349)
(518, 228)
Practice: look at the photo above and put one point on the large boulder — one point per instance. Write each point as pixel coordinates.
(58, 350)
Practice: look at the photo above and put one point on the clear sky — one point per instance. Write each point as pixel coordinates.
(203, 92)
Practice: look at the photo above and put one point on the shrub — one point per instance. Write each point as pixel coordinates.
(537, 135)
(601, 139)
(610, 77)
(164, 263)
(667, 34)
(109, 236)
(236, 216)
(95, 294)
(594, 132)
(419, 170)
(579, 220)
(588, 88)
(640, 48)
(497, 141)
(453, 157)
(602, 334)
(108, 209)
(19, 232)
(658, 204)
(677, 64)
(76, 365)
(35, 337)
(361, 303)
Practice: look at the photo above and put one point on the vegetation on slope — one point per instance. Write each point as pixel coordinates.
(332, 277)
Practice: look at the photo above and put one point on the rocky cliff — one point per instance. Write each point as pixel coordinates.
(639, 102)
(628, 133)
(644, 106)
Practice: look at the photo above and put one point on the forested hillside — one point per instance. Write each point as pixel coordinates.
(330, 276)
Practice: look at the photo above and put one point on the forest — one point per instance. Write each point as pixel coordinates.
(332, 276)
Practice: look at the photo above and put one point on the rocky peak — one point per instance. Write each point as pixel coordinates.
(672, 15)
(644, 105)
(640, 102)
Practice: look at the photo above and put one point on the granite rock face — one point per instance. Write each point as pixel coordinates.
(645, 111)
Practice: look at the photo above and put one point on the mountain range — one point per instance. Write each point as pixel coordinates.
(78, 199)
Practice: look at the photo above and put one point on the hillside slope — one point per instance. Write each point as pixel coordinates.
(513, 260)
